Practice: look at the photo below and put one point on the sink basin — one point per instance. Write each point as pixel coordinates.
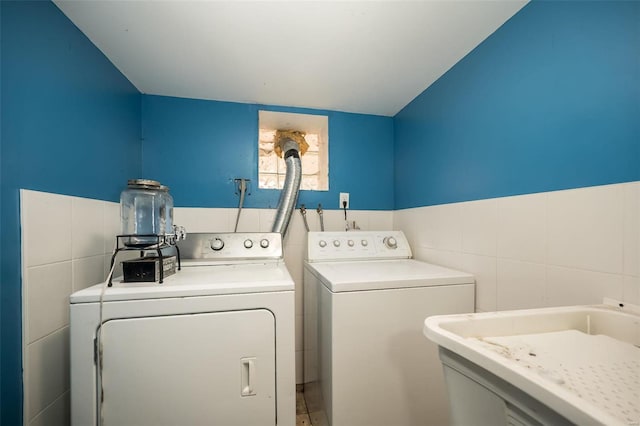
(583, 362)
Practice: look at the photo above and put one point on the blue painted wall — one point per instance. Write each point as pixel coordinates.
(70, 125)
(549, 101)
(1, 256)
(198, 147)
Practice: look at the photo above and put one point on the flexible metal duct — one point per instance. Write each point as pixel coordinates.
(289, 194)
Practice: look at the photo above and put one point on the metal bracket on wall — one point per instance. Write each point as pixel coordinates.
(237, 188)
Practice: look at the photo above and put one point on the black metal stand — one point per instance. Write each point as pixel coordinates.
(152, 242)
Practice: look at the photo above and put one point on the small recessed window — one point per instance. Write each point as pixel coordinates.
(315, 162)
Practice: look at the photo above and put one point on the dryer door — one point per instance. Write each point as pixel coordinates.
(200, 369)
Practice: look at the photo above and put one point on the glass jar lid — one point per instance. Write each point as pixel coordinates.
(143, 183)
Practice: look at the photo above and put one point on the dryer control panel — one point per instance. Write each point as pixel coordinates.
(232, 246)
(357, 245)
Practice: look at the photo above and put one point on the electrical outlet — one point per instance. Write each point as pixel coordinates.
(344, 196)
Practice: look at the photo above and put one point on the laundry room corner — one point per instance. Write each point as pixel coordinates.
(365, 213)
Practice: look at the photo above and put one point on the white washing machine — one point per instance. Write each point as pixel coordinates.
(366, 359)
(212, 345)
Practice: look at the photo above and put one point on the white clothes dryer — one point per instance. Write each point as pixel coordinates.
(212, 345)
(365, 302)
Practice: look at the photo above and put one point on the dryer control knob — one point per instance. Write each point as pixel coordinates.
(364, 243)
(248, 243)
(322, 243)
(336, 243)
(264, 243)
(390, 242)
(351, 243)
(217, 244)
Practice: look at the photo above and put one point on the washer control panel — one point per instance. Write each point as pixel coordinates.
(225, 246)
(353, 245)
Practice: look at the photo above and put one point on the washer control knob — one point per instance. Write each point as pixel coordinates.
(350, 242)
(390, 242)
(264, 243)
(336, 243)
(322, 243)
(248, 243)
(364, 243)
(217, 244)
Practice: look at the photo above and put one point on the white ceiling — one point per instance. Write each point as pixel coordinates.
(370, 57)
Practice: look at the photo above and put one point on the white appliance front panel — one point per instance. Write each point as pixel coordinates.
(232, 246)
(375, 368)
(219, 366)
(357, 245)
(385, 274)
(85, 320)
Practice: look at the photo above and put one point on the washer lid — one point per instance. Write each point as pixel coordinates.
(196, 280)
(385, 274)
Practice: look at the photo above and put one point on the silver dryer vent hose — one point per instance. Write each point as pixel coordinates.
(289, 194)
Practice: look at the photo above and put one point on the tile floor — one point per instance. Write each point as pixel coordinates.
(309, 406)
(302, 414)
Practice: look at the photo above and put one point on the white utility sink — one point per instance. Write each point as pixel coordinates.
(583, 362)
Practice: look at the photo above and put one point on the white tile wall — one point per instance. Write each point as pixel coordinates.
(520, 285)
(631, 289)
(48, 364)
(441, 227)
(585, 228)
(57, 414)
(46, 228)
(485, 271)
(568, 286)
(87, 227)
(47, 290)
(202, 219)
(88, 271)
(66, 242)
(631, 226)
(521, 231)
(557, 248)
(479, 221)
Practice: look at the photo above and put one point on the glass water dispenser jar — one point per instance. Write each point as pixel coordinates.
(142, 206)
(166, 216)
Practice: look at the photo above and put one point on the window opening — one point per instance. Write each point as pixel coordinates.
(315, 162)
